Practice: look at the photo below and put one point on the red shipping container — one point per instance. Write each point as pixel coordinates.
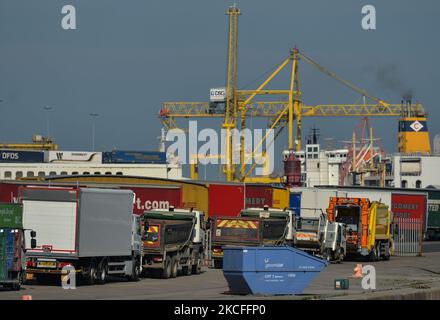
(9, 192)
(410, 206)
(225, 199)
(155, 197)
(259, 196)
(147, 197)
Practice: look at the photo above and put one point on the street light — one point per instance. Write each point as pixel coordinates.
(93, 116)
(47, 109)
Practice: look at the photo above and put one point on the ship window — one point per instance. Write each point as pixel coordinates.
(315, 149)
(30, 174)
(18, 174)
(63, 173)
(8, 174)
(86, 172)
(418, 184)
(108, 173)
(404, 183)
(97, 172)
(41, 173)
(119, 173)
(75, 172)
(315, 156)
(52, 173)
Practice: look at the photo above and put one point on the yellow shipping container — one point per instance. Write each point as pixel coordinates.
(281, 198)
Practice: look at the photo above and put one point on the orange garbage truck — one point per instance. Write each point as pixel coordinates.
(368, 225)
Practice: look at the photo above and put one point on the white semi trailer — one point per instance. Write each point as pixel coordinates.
(93, 231)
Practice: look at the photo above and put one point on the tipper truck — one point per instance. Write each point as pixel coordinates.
(92, 231)
(12, 246)
(367, 223)
(253, 227)
(173, 240)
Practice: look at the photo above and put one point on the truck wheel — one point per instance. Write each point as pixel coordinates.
(136, 271)
(387, 254)
(102, 273)
(186, 271)
(197, 268)
(373, 254)
(166, 271)
(91, 277)
(174, 266)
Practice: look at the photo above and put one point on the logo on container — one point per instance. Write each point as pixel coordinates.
(152, 204)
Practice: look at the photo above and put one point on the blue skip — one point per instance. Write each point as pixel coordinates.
(269, 270)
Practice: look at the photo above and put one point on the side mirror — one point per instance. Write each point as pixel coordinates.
(33, 234)
(33, 243)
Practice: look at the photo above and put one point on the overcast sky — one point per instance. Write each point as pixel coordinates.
(127, 57)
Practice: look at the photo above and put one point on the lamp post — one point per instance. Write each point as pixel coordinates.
(47, 109)
(93, 116)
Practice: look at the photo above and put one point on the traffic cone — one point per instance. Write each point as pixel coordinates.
(26, 297)
(358, 271)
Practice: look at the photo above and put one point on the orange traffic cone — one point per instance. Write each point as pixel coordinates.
(26, 297)
(358, 271)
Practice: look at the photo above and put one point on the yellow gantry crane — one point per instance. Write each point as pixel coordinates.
(240, 104)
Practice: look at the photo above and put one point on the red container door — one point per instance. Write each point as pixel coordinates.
(225, 200)
(259, 196)
(148, 198)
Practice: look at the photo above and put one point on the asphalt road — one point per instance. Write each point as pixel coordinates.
(398, 273)
(431, 246)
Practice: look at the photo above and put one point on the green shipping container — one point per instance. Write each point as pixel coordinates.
(434, 209)
(11, 215)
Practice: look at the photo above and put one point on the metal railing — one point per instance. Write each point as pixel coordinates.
(407, 236)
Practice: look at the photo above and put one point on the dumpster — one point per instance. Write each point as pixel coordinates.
(269, 270)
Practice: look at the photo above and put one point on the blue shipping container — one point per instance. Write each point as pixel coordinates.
(149, 157)
(295, 203)
(21, 156)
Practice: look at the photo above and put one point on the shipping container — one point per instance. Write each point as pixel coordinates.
(258, 196)
(226, 199)
(295, 202)
(147, 197)
(11, 215)
(118, 156)
(9, 192)
(14, 156)
(433, 231)
(155, 197)
(194, 194)
(409, 206)
(72, 156)
(281, 198)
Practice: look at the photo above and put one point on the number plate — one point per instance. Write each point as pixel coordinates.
(46, 264)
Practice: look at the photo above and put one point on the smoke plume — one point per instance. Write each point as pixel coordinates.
(389, 78)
